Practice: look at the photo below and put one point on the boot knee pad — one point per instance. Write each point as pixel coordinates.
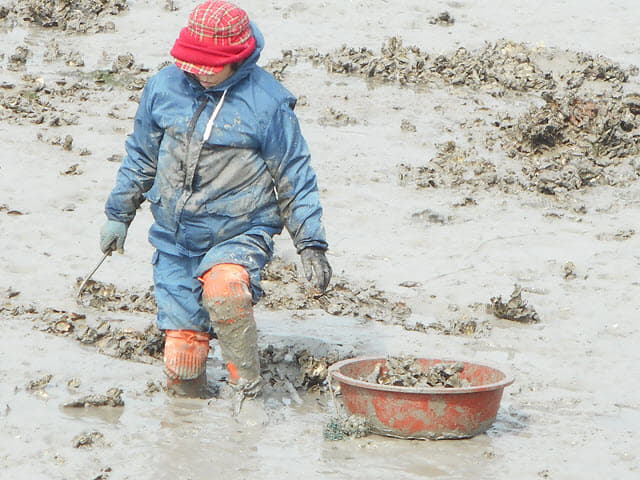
(225, 292)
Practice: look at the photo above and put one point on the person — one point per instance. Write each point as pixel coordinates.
(218, 153)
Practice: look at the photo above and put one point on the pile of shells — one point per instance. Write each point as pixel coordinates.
(601, 68)
(405, 65)
(126, 343)
(81, 16)
(105, 296)
(407, 372)
(515, 308)
(33, 102)
(287, 368)
(285, 289)
(570, 143)
(457, 326)
(112, 398)
(502, 64)
(452, 167)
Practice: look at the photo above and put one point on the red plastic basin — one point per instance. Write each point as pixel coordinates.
(422, 413)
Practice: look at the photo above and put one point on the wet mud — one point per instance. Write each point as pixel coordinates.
(124, 343)
(88, 440)
(543, 122)
(584, 134)
(344, 427)
(284, 368)
(285, 289)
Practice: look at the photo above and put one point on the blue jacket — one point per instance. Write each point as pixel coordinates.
(222, 197)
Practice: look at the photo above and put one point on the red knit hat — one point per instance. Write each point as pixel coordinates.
(218, 33)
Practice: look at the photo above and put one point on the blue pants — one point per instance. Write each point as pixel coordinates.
(179, 293)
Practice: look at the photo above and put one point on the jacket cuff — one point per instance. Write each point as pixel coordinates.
(319, 244)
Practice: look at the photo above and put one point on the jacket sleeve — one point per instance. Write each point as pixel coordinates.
(137, 171)
(285, 151)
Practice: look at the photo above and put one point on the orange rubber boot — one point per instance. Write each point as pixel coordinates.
(185, 361)
(227, 298)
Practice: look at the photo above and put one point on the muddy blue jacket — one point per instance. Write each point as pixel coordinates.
(220, 195)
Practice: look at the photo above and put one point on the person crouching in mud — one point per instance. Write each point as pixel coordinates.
(218, 153)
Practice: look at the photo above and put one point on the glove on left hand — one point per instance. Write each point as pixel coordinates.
(316, 267)
(112, 236)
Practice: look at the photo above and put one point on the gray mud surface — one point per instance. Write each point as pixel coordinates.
(478, 165)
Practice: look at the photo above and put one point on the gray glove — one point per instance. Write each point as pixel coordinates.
(316, 267)
(112, 236)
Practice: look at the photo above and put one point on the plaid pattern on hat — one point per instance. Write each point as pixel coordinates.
(221, 23)
(218, 33)
(197, 69)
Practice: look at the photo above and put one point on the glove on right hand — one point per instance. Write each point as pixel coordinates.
(112, 236)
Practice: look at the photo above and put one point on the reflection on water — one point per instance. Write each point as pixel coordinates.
(106, 414)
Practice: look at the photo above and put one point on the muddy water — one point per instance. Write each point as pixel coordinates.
(445, 189)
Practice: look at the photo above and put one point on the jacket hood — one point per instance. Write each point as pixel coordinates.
(247, 65)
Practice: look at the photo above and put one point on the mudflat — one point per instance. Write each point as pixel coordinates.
(478, 165)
